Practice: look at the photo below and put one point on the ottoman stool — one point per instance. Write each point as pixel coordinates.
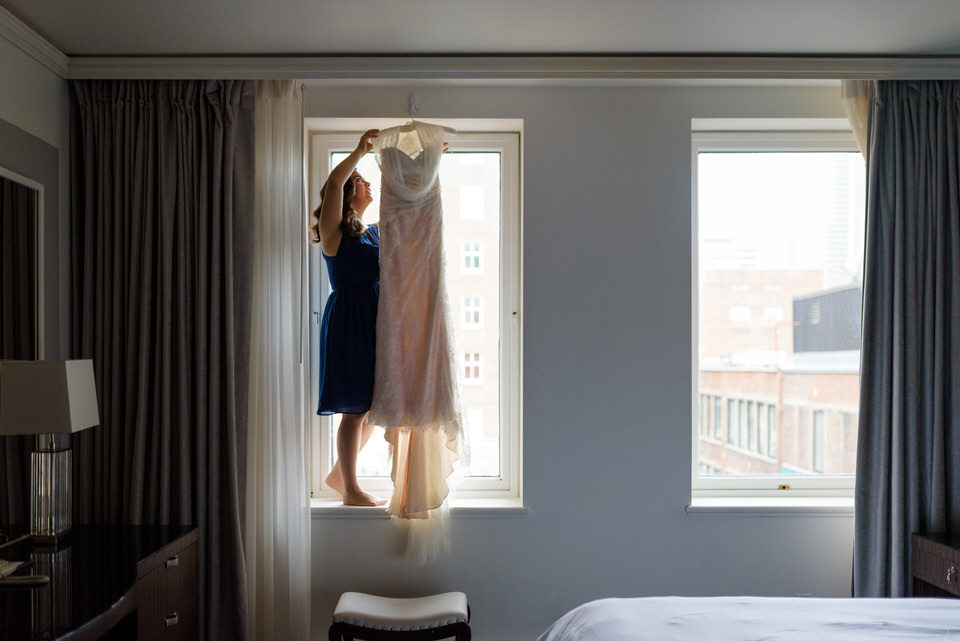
(377, 618)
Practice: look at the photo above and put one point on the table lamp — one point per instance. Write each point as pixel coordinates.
(48, 398)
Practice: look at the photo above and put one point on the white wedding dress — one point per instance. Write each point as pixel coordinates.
(415, 393)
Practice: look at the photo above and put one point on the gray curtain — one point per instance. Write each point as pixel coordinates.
(18, 332)
(908, 476)
(162, 196)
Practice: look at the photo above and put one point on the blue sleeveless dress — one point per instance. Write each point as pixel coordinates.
(348, 331)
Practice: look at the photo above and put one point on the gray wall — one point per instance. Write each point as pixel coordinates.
(34, 142)
(606, 362)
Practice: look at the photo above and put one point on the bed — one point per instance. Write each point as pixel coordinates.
(759, 619)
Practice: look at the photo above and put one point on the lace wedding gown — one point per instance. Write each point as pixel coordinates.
(415, 394)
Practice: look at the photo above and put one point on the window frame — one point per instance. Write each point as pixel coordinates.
(755, 135)
(324, 136)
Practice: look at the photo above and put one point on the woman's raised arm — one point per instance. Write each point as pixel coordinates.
(331, 205)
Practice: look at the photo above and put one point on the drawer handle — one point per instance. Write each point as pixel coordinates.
(171, 620)
(173, 561)
(951, 574)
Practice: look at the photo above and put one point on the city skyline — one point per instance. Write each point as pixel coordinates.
(780, 234)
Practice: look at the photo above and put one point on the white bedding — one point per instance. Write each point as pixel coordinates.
(759, 619)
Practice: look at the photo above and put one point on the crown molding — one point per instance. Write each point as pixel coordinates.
(32, 43)
(517, 67)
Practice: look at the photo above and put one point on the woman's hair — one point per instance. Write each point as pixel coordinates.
(351, 223)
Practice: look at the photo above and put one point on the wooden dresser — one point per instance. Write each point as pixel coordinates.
(167, 592)
(935, 565)
(112, 583)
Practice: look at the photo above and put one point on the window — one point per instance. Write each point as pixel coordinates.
(472, 312)
(778, 262)
(763, 432)
(471, 202)
(717, 425)
(732, 422)
(772, 430)
(471, 257)
(483, 438)
(740, 313)
(774, 314)
(742, 437)
(702, 413)
(472, 369)
(818, 445)
(480, 187)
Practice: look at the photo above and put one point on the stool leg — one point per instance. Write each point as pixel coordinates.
(339, 632)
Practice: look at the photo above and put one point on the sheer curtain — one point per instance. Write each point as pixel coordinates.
(909, 434)
(276, 531)
(855, 98)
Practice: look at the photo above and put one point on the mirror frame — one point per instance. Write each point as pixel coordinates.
(12, 176)
(28, 160)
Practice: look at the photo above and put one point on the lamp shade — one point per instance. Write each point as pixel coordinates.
(47, 397)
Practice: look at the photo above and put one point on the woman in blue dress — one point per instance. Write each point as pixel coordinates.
(351, 251)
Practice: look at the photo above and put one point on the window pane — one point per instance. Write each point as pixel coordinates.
(374, 459)
(470, 184)
(772, 425)
(708, 407)
(716, 418)
(703, 413)
(780, 257)
(818, 443)
(732, 422)
(762, 432)
(742, 427)
(472, 201)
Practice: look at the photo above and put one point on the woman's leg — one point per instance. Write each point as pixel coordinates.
(334, 479)
(348, 447)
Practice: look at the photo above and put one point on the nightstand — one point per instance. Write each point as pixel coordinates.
(935, 565)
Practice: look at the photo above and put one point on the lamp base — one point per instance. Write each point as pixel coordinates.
(51, 498)
(50, 540)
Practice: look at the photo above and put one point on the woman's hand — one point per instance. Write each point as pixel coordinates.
(366, 140)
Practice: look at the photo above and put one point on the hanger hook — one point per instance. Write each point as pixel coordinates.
(413, 106)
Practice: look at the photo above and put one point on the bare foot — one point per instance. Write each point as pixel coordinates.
(333, 480)
(362, 498)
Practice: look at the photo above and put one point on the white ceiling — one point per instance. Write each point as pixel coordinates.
(405, 27)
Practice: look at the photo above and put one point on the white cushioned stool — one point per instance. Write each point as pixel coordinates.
(377, 618)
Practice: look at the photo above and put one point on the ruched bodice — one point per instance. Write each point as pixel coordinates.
(357, 261)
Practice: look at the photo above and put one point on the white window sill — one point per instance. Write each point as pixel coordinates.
(769, 507)
(460, 509)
